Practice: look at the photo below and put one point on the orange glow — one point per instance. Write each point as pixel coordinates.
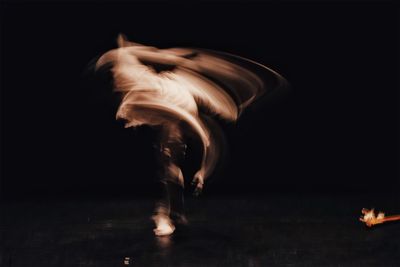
(219, 84)
(370, 219)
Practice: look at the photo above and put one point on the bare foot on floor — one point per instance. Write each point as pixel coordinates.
(164, 225)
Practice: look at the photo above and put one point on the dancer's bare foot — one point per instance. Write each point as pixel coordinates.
(164, 225)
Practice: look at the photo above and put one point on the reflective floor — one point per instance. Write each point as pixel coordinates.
(274, 230)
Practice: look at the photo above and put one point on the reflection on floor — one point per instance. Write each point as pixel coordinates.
(275, 230)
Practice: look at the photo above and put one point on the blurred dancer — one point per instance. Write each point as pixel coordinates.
(166, 88)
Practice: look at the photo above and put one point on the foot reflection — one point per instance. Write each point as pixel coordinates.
(164, 242)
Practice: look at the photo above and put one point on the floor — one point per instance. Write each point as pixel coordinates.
(273, 230)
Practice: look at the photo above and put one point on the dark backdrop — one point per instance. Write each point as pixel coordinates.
(337, 130)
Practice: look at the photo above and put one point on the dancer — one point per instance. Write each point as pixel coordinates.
(168, 88)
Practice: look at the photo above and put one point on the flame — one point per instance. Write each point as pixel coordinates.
(370, 219)
(219, 84)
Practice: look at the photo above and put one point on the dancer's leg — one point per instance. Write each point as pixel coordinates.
(171, 204)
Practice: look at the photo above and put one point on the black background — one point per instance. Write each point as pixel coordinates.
(338, 129)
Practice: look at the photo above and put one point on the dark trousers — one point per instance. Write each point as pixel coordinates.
(171, 202)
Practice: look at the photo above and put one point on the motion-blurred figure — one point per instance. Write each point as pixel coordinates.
(166, 88)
